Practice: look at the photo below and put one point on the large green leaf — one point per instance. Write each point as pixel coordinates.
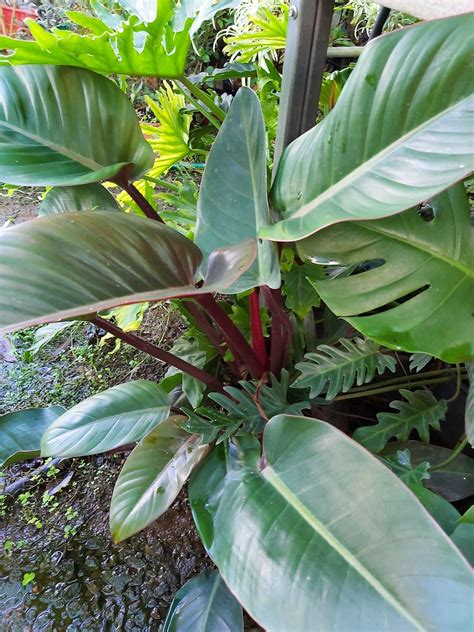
(120, 415)
(232, 202)
(21, 432)
(420, 411)
(399, 133)
(344, 545)
(85, 197)
(463, 535)
(204, 603)
(470, 404)
(424, 275)
(62, 266)
(114, 45)
(67, 126)
(335, 369)
(152, 477)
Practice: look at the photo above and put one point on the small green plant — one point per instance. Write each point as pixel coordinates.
(28, 578)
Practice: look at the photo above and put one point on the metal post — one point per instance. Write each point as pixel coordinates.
(307, 41)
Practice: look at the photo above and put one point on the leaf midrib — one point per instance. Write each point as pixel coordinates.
(288, 495)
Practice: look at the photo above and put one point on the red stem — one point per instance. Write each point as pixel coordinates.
(233, 336)
(258, 340)
(142, 202)
(281, 329)
(160, 354)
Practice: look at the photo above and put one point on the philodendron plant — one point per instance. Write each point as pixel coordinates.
(310, 527)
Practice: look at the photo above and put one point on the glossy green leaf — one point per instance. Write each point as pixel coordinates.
(420, 411)
(463, 535)
(86, 197)
(424, 274)
(470, 404)
(63, 126)
(114, 46)
(204, 603)
(399, 133)
(339, 537)
(233, 198)
(21, 432)
(336, 369)
(62, 266)
(199, 11)
(120, 415)
(453, 481)
(152, 477)
(298, 287)
(442, 511)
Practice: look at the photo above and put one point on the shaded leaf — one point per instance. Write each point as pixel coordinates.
(420, 411)
(125, 259)
(470, 404)
(417, 144)
(232, 201)
(86, 197)
(463, 538)
(152, 477)
(21, 432)
(44, 335)
(120, 415)
(39, 139)
(308, 520)
(230, 70)
(442, 511)
(336, 369)
(423, 274)
(298, 287)
(204, 603)
(418, 361)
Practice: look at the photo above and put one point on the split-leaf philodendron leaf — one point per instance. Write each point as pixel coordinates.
(423, 277)
(67, 126)
(285, 534)
(399, 134)
(233, 202)
(73, 264)
(85, 197)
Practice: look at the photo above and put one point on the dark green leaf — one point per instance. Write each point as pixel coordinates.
(67, 126)
(120, 415)
(419, 412)
(86, 197)
(204, 603)
(424, 275)
(61, 266)
(470, 404)
(152, 477)
(21, 432)
(298, 287)
(442, 511)
(335, 369)
(463, 538)
(343, 543)
(414, 88)
(232, 203)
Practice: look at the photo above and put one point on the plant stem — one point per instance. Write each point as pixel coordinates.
(204, 97)
(455, 453)
(160, 354)
(416, 377)
(458, 385)
(142, 202)
(281, 329)
(163, 183)
(258, 340)
(199, 107)
(387, 389)
(233, 336)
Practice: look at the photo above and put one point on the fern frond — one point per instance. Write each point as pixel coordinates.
(335, 369)
(420, 411)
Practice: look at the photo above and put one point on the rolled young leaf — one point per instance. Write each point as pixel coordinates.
(232, 203)
(21, 432)
(423, 274)
(204, 603)
(67, 126)
(120, 415)
(86, 197)
(399, 133)
(340, 538)
(153, 476)
(62, 266)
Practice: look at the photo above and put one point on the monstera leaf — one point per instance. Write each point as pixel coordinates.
(67, 126)
(62, 266)
(114, 45)
(422, 279)
(339, 537)
(86, 197)
(399, 133)
(233, 198)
